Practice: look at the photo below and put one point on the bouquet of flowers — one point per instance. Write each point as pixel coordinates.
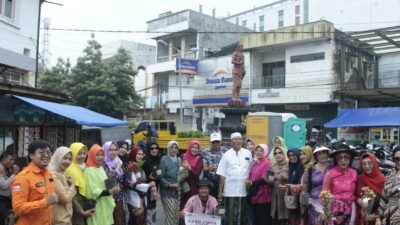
(368, 199)
(326, 197)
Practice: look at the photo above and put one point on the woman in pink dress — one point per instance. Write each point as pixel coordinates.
(341, 181)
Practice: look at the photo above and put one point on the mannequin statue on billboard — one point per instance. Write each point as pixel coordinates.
(238, 71)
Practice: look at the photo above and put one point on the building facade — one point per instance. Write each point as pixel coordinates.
(188, 35)
(19, 29)
(346, 15)
(299, 69)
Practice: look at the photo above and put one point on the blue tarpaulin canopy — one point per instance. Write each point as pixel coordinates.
(80, 115)
(367, 117)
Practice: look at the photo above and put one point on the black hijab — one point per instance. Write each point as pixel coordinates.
(151, 162)
(295, 169)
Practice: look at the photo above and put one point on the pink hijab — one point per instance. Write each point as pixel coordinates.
(192, 159)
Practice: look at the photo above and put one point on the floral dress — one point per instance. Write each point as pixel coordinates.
(391, 192)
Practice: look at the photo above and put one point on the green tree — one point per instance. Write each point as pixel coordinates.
(103, 86)
(54, 78)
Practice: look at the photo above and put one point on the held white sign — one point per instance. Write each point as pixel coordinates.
(201, 219)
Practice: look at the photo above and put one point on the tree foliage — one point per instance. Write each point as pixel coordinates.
(104, 86)
(53, 79)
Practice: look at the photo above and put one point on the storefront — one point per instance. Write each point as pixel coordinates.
(375, 125)
(23, 120)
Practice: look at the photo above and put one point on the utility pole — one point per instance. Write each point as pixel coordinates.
(180, 95)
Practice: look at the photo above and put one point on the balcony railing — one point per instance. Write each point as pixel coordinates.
(276, 81)
(187, 55)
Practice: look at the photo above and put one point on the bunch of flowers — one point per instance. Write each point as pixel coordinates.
(368, 198)
(326, 198)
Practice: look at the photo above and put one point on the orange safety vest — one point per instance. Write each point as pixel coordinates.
(29, 191)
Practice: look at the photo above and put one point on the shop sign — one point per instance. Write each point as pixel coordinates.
(268, 94)
(301, 107)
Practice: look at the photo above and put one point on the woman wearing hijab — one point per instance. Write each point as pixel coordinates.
(65, 188)
(192, 157)
(115, 170)
(278, 142)
(260, 194)
(137, 188)
(389, 209)
(278, 180)
(75, 171)
(296, 170)
(151, 167)
(123, 148)
(95, 177)
(306, 156)
(169, 183)
(341, 181)
(372, 178)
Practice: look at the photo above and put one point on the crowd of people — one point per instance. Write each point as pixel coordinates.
(247, 184)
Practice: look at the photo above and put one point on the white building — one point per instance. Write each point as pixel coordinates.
(354, 15)
(18, 37)
(300, 73)
(188, 35)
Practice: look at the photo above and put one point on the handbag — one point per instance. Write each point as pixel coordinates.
(89, 204)
(291, 200)
(185, 187)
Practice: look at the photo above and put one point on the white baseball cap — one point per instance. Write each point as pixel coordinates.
(215, 137)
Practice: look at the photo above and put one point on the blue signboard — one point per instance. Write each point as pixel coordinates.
(186, 66)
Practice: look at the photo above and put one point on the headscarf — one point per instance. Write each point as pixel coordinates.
(295, 169)
(273, 155)
(191, 159)
(265, 147)
(91, 160)
(141, 144)
(57, 157)
(374, 180)
(112, 163)
(282, 147)
(307, 150)
(132, 159)
(74, 171)
(175, 159)
(124, 158)
(153, 160)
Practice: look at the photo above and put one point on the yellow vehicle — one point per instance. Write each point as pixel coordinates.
(164, 131)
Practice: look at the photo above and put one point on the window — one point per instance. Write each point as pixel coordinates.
(11, 77)
(244, 23)
(163, 126)
(297, 10)
(273, 75)
(305, 11)
(261, 23)
(7, 8)
(280, 18)
(297, 20)
(27, 52)
(307, 57)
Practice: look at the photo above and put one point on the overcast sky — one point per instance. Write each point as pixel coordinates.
(119, 15)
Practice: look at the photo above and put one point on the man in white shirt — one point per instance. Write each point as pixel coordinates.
(234, 169)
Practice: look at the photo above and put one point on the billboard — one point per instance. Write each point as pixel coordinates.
(186, 66)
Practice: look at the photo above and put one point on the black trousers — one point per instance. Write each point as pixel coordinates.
(262, 214)
(5, 207)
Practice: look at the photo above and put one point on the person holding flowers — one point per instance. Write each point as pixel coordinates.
(341, 182)
(369, 188)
